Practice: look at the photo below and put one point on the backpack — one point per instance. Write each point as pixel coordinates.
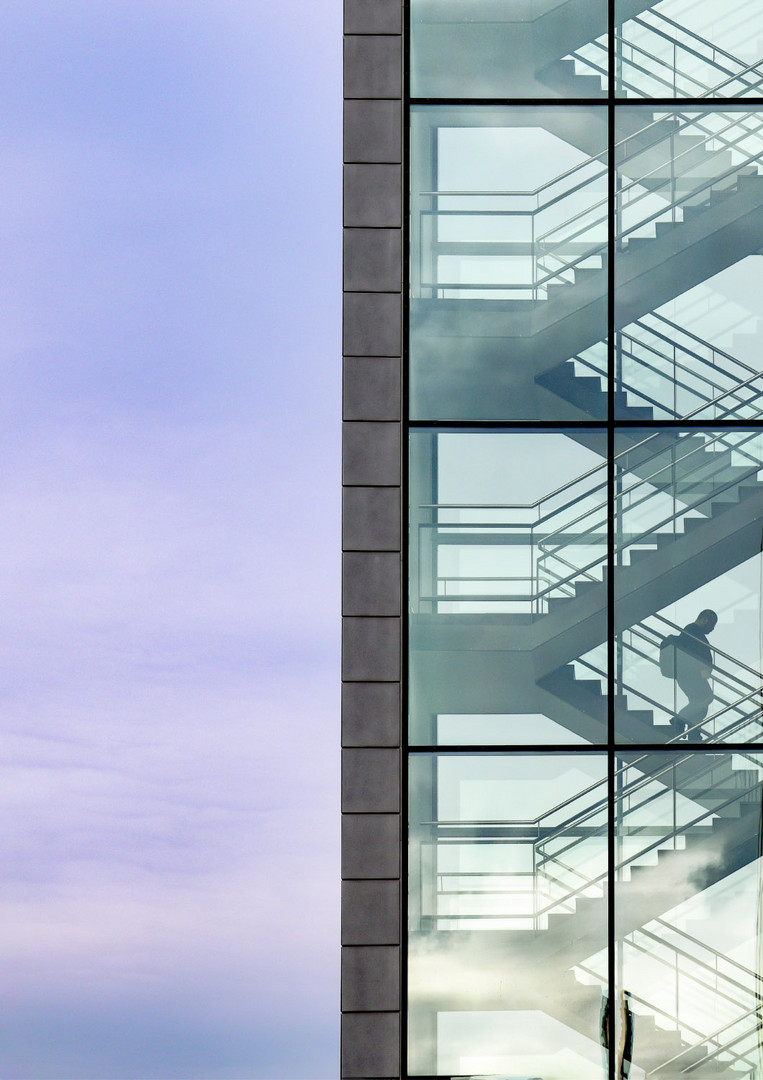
(668, 647)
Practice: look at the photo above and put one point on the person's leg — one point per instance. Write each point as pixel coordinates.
(700, 696)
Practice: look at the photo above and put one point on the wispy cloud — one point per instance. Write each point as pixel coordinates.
(170, 517)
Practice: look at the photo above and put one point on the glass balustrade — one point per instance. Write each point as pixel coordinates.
(688, 535)
(505, 48)
(508, 546)
(687, 903)
(508, 261)
(507, 901)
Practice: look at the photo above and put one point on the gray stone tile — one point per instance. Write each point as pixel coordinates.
(370, 780)
(373, 66)
(372, 260)
(371, 1045)
(371, 583)
(370, 913)
(373, 16)
(370, 978)
(370, 649)
(372, 324)
(371, 519)
(371, 845)
(371, 714)
(371, 388)
(373, 196)
(373, 131)
(370, 454)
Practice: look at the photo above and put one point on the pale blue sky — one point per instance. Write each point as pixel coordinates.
(169, 213)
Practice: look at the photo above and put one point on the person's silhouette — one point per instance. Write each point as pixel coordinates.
(694, 665)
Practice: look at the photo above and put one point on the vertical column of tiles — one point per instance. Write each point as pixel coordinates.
(371, 539)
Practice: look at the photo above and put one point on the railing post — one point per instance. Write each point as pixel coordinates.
(535, 890)
(534, 586)
(675, 385)
(534, 254)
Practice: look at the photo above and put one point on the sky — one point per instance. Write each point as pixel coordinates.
(169, 507)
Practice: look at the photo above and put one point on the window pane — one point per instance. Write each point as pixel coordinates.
(508, 48)
(689, 531)
(508, 535)
(508, 263)
(507, 914)
(689, 298)
(675, 49)
(687, 912)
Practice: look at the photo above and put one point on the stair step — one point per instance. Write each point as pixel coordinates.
(745, 178)
(692, 211)
(637, 554)
(691, 523)
(586, 273)
(635, 243)
(663, 227)
(590, 686)
(635, 716)
(635, 412)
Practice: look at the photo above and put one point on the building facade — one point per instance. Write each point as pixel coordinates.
(552, 710)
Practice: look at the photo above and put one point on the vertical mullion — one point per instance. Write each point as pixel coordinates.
(611, 386)
(404, 542)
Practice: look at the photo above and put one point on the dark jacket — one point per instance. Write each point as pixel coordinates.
(693, 643)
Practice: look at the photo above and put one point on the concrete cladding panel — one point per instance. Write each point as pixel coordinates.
(373, 196)
(371, 846)
(371, 714)
(371, 538)
(372, 65)
(373, 17)
(371, 518)
(371, 1045)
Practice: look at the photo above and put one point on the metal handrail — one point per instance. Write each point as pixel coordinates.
(695, 979)
(711, 60)
(664, 837)
(697, 37)
(755, 1009)
(707, 402)
(678, 932)
(634, 343)
(553, 543)
(545, 544)
(713, 90)
(726, 706)
(671, 83)
(599, 250)
(757, 466)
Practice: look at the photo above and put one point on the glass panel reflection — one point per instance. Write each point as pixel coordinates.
(508, 48)
(507, 914)
(508, 263)
(688, 902)
(508, 535)
(674, 49)
(688, 539)
(688, 304)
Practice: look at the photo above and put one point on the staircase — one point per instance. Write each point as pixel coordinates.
(669, 371)
(691, 493)
(505, 51)
(691, 205)
(668, 860)
(661, 58)
(560, 46)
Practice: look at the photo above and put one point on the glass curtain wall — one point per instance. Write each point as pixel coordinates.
(585, 485)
